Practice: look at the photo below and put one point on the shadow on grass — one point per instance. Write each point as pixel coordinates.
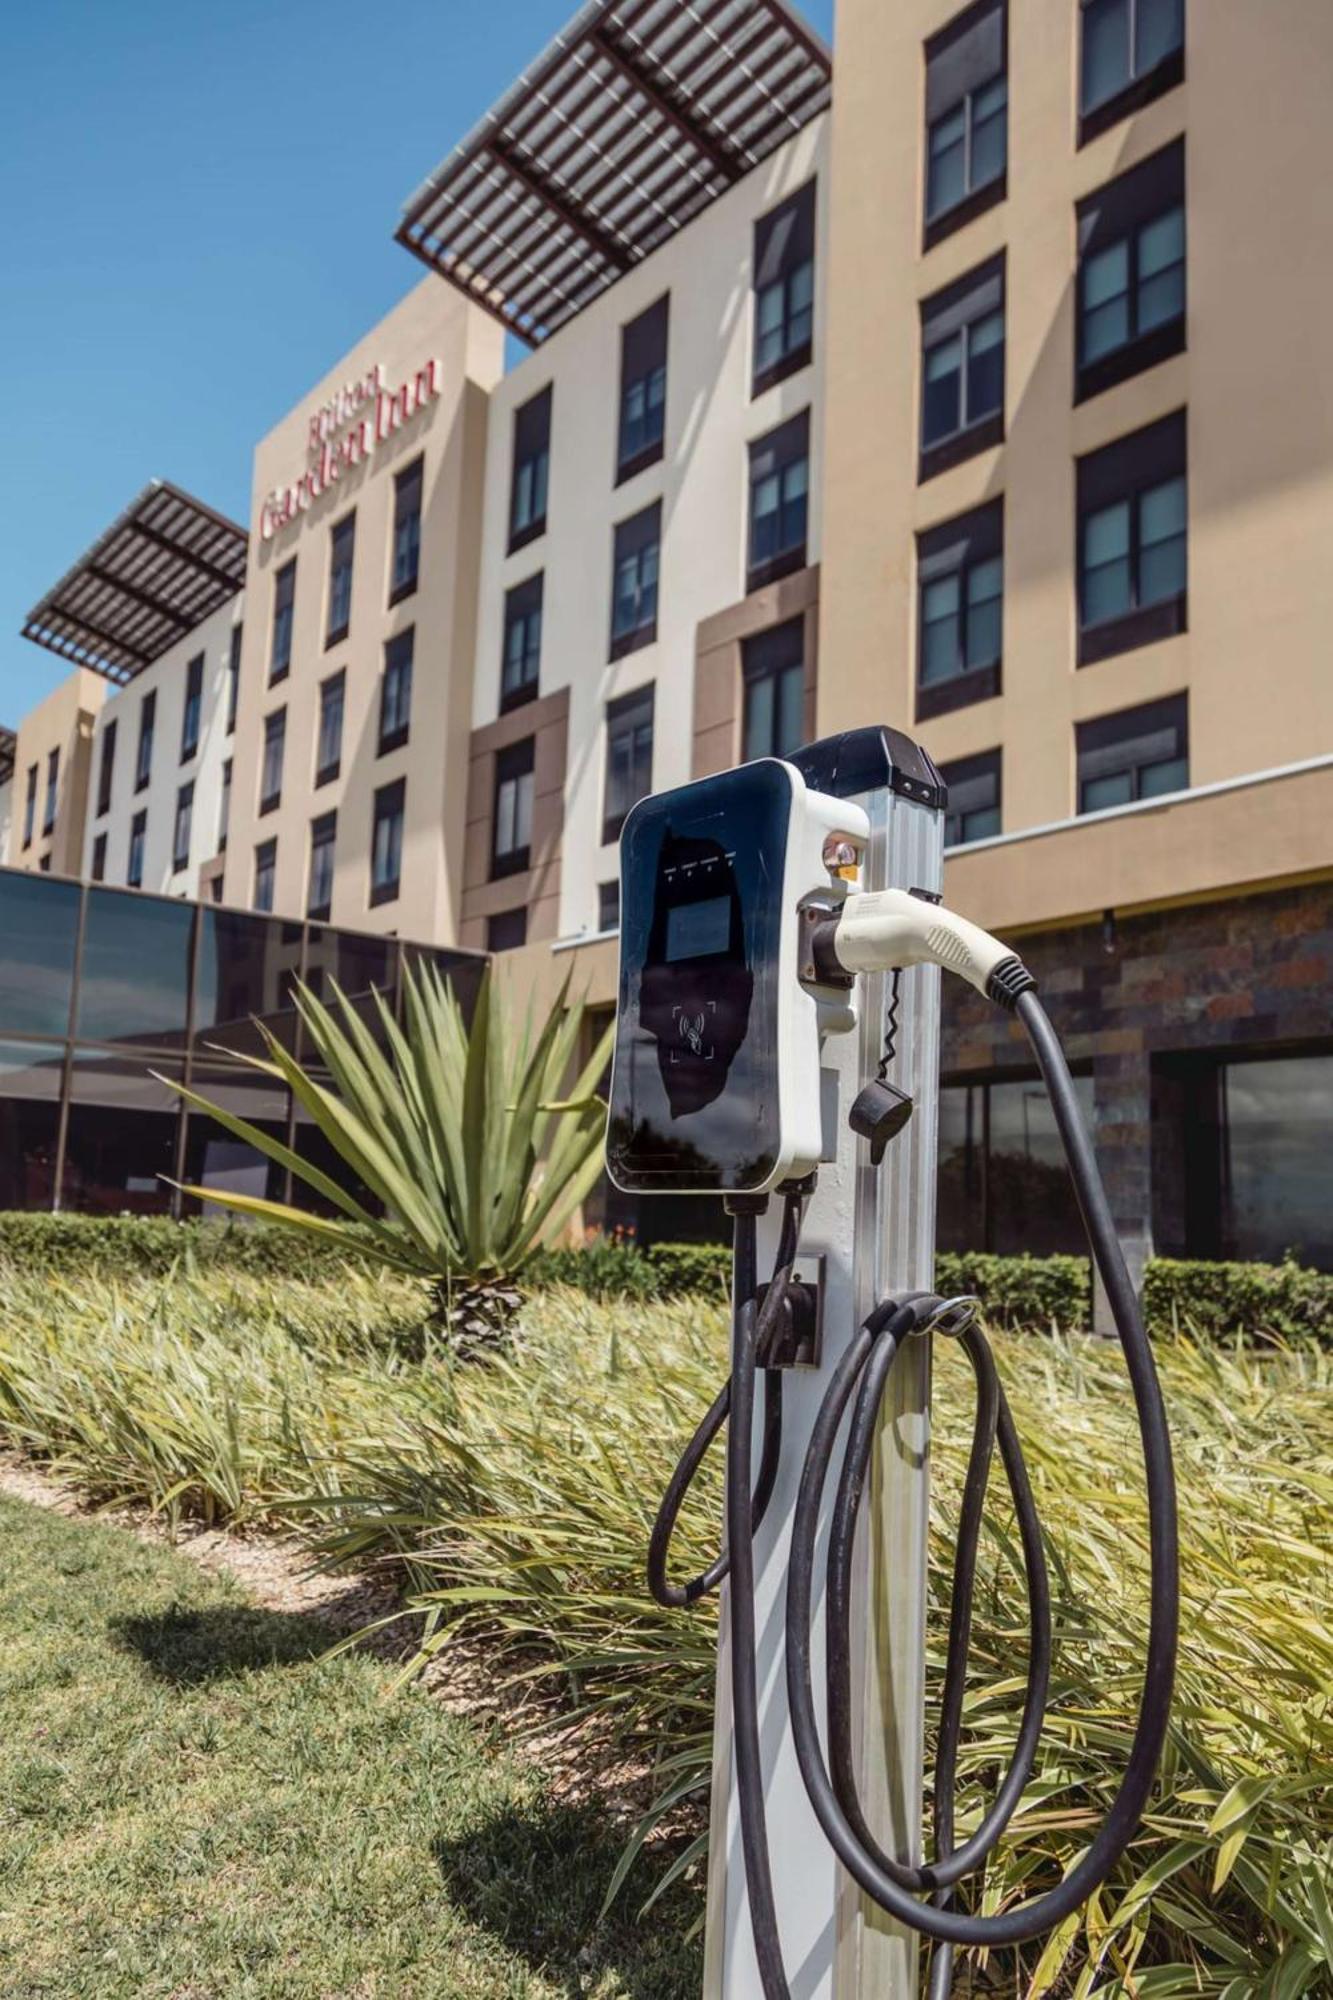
(535, 1879)
(188, 1646)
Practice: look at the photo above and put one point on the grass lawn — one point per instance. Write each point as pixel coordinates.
(194, 1804)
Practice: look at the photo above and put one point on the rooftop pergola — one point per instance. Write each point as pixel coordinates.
(637, 115)
(160, 569)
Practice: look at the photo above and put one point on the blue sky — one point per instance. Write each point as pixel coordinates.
(197, 207)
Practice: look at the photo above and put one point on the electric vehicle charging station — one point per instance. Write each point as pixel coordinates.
(782, 944)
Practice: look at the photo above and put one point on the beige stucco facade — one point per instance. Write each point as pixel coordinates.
(62, 726)
(1252, 380)
(445, 356)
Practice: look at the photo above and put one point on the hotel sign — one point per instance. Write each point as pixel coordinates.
(343, 432)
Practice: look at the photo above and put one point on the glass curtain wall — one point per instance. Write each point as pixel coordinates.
(109, 996)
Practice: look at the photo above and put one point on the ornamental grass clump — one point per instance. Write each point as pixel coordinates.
(472, 1158)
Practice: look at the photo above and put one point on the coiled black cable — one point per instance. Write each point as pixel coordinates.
(863, 1370)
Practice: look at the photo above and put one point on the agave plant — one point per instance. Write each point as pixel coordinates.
(458, 1133)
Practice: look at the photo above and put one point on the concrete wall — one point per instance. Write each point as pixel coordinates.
(166, 680)
(64, 722)
(1253, 380)
(433, 322)
(702, 483)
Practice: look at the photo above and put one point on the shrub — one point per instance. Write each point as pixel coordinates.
(152, 1245)
(1282, 1301)
(1020, 1291)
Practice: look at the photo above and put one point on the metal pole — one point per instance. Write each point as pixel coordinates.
(866, 1232)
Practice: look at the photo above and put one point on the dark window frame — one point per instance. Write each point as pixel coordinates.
(342, 555)
(224, 804)
(143, 755)
(233, 676)
(106, 767)
(1117, 214)
(644, 347)
(138, 843)
(323, 837)
(769, 657)
(531, 438)
(412, 476)
(1140, 463)
(335, 683)
(1140, 88)
(30, 805)
(399, 660)
(1123, 730)
(275, 731)
(631, 541)
(192, 715)
(514, 763)
(51, 792)
(266, 864)
(628, 715)
(507, 930)
(958, 47)
(608, 906)
(961, 772)
(953, 313)
(957, 548)
(784, 247)
(184, 810)
(283, 622)
(97, 866)
(523, 602)
(390, 802)
(788, 443)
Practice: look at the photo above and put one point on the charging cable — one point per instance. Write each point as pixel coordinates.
(877, 932)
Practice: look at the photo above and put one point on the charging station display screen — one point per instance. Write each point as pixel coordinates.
(694, 1091)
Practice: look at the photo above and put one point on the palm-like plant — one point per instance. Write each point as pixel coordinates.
(459, 1133)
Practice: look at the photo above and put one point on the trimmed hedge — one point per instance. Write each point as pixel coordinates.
(1218, 1301)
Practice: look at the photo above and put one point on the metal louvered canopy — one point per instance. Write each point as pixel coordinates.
(158, 571)
(637, 115)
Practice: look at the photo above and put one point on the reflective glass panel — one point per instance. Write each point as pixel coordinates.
(38, 926)
(120, 1144)
(1276, 1121)
(135, 976)
(246, 968)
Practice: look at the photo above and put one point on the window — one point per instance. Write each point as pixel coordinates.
(106, 768)
(44, 865)
(30, 806)
(960, 610)
(773, 671)
(1003, 1182)
(180, 837)
(507, 930)
(520, 664)
(284, 601)
(511, 830)
(1132, 568)
(608, 906)
(967, 114)
(406, 532)
(275, 741)
(643, 371)
(634, 574)
(386, 842)
(396, 692)
(779, 485)
(1270, 1190)
(233, 677)
(1131, 273)
(99, 858)
(1138, 754)
(143, 762)
(266, 867)
(329, 744)
(342, 544)
(973, 811)
(194, 702)
(532, 465)
(629, 757)
(224, 807)
(52, 793)
(784, 289)
(962, 369)
(138, 837)
(1133, 51)
(319, 891)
